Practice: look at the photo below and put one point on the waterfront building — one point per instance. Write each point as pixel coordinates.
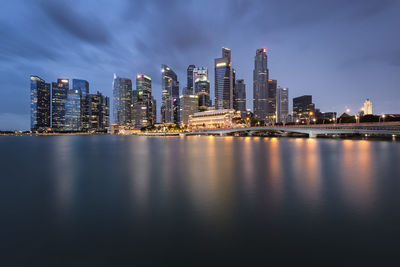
(122, 98)
(282, 104)
(73, 110)
(83, 87)
(271, 100)
(170, 95)
(201, 84)
(189, 104)
(303, 108)
(40, 104)
(142, 105)
(220, 118)
(260, 84)
(59, 93)
(99, 112)
(190, 76)
(367, 107)
(239, 103)
(223, 81)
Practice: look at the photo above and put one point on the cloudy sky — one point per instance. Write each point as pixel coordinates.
(340, 51)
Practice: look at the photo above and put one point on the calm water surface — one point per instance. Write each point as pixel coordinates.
(220, 201)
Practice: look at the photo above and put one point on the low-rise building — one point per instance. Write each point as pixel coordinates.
(220, 118)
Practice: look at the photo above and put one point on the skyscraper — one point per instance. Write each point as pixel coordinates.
(122, 98)
(282, 104)
(189, 104)
(40, 104)
(58, 98)
(271, 100)
(73, 110)
(99, 112)
(83, 87)
(170, 95)
(260, 84)
(240, 96)
(223, 81)
(142, 109)
(189, 84)
(202, 87)
(303, 108)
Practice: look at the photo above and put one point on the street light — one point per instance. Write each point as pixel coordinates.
(297, 121)
(383, 118)
(314, 120)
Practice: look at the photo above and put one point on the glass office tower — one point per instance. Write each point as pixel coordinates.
(73, 110)
(122, 98)
(260, 84)
(170, 95)
(83, 87)
(40, 104)
(202, 87)
(223, 81)
(240, 96)
(59, 92)
(189, 85)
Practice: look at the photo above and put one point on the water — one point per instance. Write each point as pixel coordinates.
(221, 201)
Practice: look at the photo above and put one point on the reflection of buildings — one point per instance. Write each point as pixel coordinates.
(40, 104)
(221, 118)
(303, 108)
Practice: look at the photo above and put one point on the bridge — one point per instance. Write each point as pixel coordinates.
(312, 130)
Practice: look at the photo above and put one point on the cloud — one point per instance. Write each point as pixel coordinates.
(85, 27)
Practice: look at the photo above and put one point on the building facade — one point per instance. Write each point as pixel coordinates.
(189, 104)
(303, 108)
(170, 95)
(73, 110)
(59, 93)
(40, 104)
(99, 112)
(83, 87)
(239, 103)
(122, 100)
(367, 107)
(142, 105)
(189, 85)
(223, 81)
(201, 85)
(271, 100)
(282, 105)
(211, 119)
(260, 84)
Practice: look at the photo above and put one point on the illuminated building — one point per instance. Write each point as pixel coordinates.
(170, 95)
(40, 104)
(260, 84)
(83, 87)
(271, 100)
(99, 112)
(190, 74)
(223, 81)
(201, 85)
(122, 98)
(282, 104)
(367, 107)
(73, 110)
(142, 104)
(189, 104)
(220, 118)
(59, 92)
(303, 108)
(239, 103)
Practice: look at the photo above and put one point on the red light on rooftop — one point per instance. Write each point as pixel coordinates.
(264, 50)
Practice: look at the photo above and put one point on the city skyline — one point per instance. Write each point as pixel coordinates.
(317, 56)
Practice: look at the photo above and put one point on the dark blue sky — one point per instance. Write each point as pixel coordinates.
(341, 51)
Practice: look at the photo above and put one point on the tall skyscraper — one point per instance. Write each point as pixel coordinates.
(282, 104)
(271, 100)
(223, 81)
(170, 95)
(99, 112)
(142, 109)
(367, 107)
(73, 110)
(83, 87)
(239, 102)
(260, 84)
(122, 98)
(189, 104)
(58, 98)
(202, 87)
(189, 85)
(40, 104)
(303, 108)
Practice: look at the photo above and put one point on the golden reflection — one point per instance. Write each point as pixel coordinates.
(275, 167)
(357, 173)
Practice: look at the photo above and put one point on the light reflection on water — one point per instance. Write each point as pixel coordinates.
(221, 191)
